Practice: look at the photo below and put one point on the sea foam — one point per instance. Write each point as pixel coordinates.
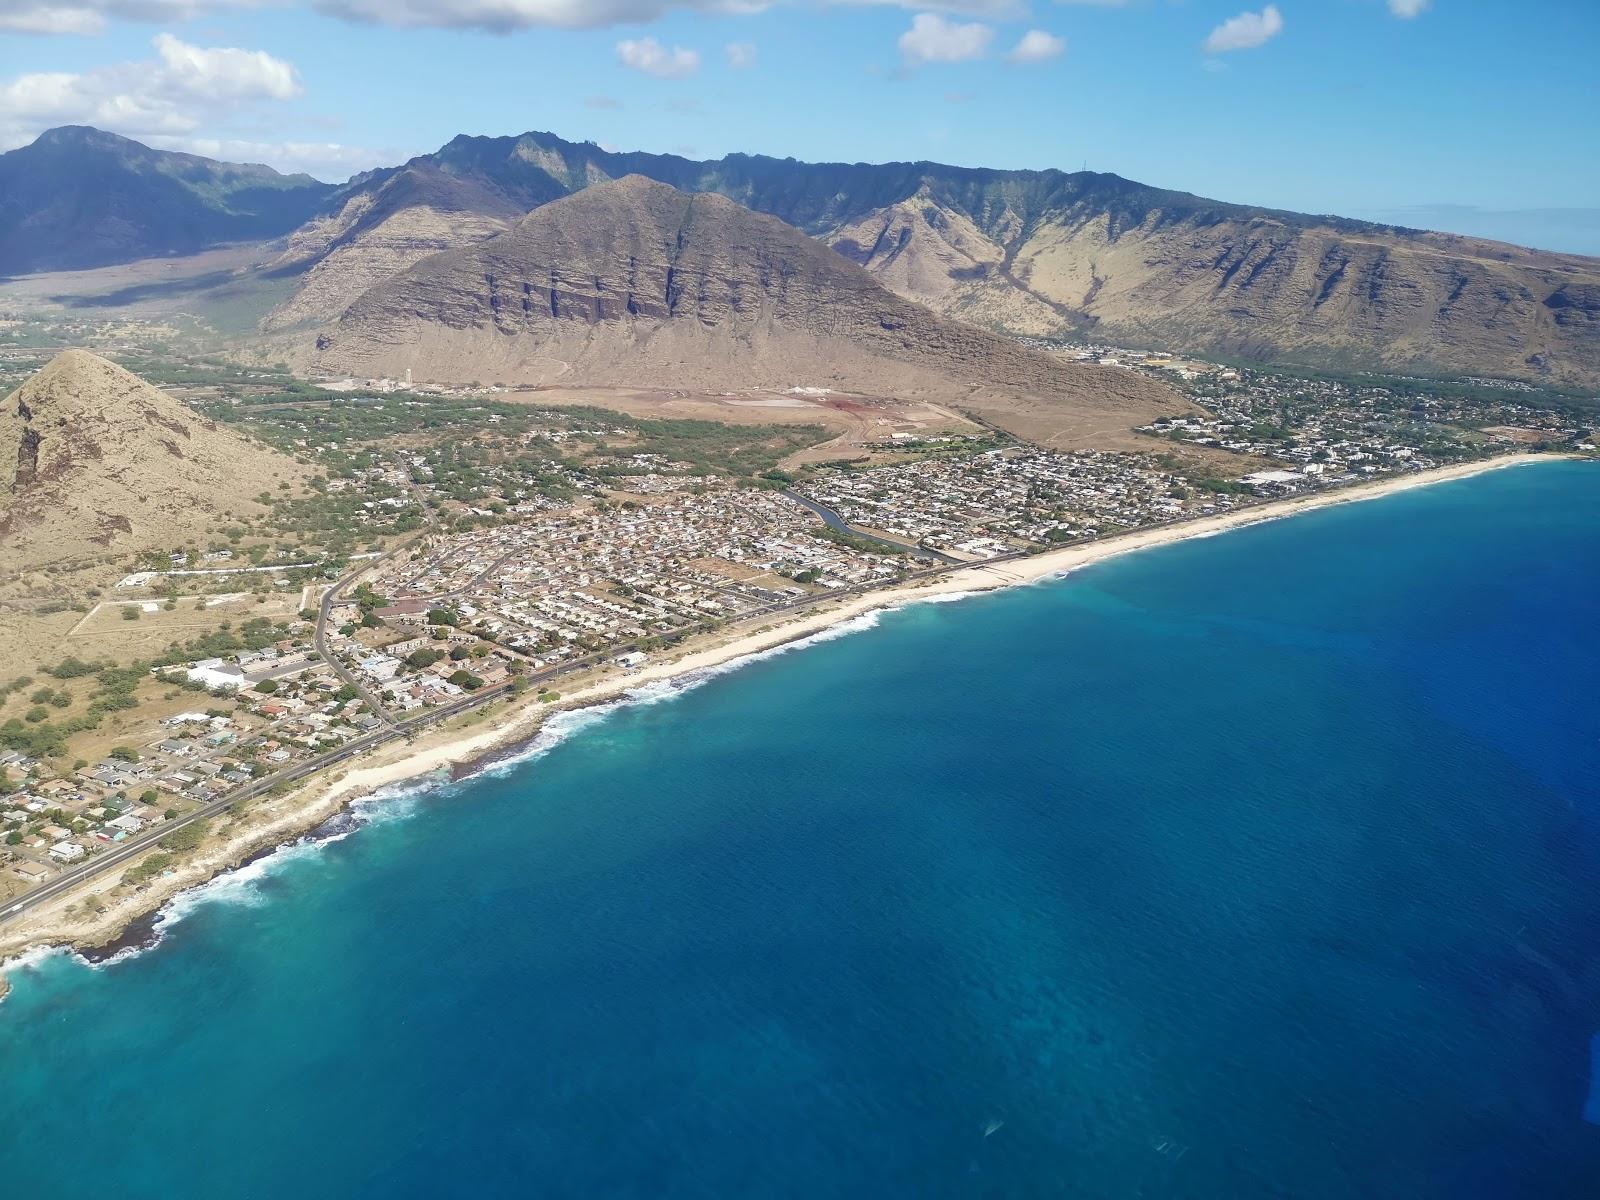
(241, 885)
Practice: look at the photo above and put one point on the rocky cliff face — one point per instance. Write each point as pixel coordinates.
(367, 241)
(634, 282)
(1048, 252)
(1261, 286)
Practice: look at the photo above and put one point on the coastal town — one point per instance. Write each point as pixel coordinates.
(1014, 498)
(944, 599)
(254, 715)
(433, 574)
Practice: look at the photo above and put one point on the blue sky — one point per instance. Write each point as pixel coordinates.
(1476, 115)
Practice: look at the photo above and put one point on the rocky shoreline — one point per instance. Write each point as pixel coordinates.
(324, 804)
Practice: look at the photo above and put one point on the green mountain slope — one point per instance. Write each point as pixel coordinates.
(78, 197)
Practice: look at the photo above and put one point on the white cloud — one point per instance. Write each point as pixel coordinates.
(222, 73)
(38, 18)
(1406, 9)
(933, 39)
(997, 10)
(90, 16)
(503, 16)
(1246, 31)
(496, 16)
(741, 55)
(651, 57)
(1037, 46)
(174, 94)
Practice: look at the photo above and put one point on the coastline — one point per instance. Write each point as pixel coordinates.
(510, 728)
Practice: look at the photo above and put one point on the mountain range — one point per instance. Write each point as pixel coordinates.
(78, 197)
(633, 282)
(1043, 253)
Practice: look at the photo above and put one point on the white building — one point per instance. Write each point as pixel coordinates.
(214, 673)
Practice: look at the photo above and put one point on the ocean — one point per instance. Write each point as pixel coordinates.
(1259, 865)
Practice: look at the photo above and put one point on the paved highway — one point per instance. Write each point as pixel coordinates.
(834, 521)
(329, 597)
(410, 726)
(393, 730)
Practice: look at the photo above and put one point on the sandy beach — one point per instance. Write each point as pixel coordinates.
(273, 821)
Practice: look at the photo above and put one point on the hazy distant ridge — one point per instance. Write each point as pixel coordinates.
(1023, 252)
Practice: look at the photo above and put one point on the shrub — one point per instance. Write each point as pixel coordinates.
(148, 869)
(187, 838)
(71, 668)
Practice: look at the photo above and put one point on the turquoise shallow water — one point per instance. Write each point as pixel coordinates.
(1265, 865)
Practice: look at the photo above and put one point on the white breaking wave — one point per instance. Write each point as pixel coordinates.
(941, 598)
(241, 886)
(562, 726)
(30, 960)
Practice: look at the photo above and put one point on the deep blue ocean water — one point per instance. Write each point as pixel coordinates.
(1262, 865)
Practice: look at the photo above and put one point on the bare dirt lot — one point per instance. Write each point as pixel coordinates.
(852, 420)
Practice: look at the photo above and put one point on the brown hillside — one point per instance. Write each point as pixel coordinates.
(375, 235)
(95, 462)
(636, 283)
(1033, 252)
(1252, 284)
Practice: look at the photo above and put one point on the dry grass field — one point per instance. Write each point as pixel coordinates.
(32, 638)
(105, 632)
(851, 420)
